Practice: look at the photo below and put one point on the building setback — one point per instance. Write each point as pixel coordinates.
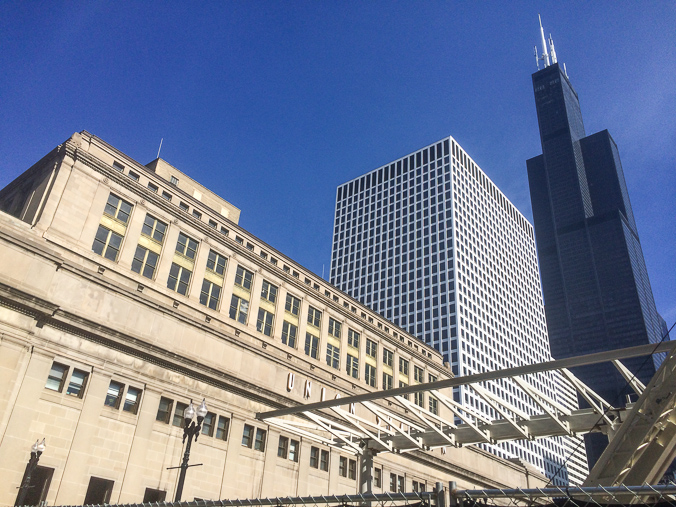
(128, 290)
(434, 246)
(595, 283)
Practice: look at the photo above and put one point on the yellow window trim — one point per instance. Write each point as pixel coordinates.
(150, 244)
(113, 225)
(183, 261)
(213, 277)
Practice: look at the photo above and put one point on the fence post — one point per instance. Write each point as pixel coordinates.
(440, 495)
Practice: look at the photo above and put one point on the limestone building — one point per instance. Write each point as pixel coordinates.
(128, 290)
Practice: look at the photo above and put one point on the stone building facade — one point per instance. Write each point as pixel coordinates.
(128, 290)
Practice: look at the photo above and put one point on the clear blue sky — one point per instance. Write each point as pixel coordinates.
(273, 104)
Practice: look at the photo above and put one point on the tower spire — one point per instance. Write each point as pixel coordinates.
(545, 54)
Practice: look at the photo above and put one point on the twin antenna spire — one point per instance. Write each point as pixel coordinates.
(547, 56)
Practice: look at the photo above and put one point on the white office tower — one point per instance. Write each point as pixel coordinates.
(431, 243)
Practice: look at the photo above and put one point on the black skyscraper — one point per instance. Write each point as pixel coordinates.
(595, 284)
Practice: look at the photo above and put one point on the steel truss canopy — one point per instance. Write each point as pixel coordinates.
(642, 435)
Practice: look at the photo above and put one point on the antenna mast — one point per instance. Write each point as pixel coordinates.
(545, 55)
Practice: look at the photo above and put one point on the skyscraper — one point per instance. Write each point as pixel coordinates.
(595, 283)
(434, 246)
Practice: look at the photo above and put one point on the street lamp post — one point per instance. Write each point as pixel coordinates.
(36, 450)
(191, 428)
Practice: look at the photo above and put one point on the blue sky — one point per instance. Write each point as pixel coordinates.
(273, 104)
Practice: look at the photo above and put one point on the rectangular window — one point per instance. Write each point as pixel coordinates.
(208, 424)
(283, 447)
(292, 305)
(152, 495)
(222, 428)
(332, 356)
(393, 482)
(370, 374)
(239, 309)
(164, 410)
(77, 384)
(269, 292)
(289, 333)
(259, 444)
(178, 414)
(216, 263)
(144, 262)
(353, 338)
(133, 175)
(184, 206)
(152, 187)
(418, 374)
(434, 405)
(371, 348)
(352, 364)
(107, 243)
(419, 399)
(314, 457)
(324, 461)
(179, 279)
(378, 477)
(98, 491)
(56, 377)
(114, 394)
(314, 316)
(247, 436)
(166, 195)
(334, 328)
(117, 209)
(387, 381)
(210, 294)
(403, 366)
(401, 488)
(174, 180)
(294, 446)
(312, 346)
(342, 466)
(154, 229)
(132, 400)
(264, 323)
(387, 357)
(243, 278)
(38, 487)
(352, 469)
(197, 214)
(186, 246)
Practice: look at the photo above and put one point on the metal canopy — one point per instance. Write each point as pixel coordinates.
(371, 421)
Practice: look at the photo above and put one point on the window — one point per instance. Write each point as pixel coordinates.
(332, 356)
(401, 488)
(418, 486)
(264, 323)
(434, 405)
(314, 317)
(77, 384)
(154, 229)
(208, 424)
(166, 195)
(371, 348)
(289, 332)
(352, 366)
(259, 444)
(132, 400)
(353, 338)
(164, 410)
(222, 428)
(145, 262)
(210, 294)
(38, 487)
(183, 206)
(56, 377)
(133, 176)
(324, 460)
(387, 357)
(342, 466)
(247, 436)
(312, 346)
(178, 414)
(186, 246)
(419, 399)
(117, 208)
(269, 291)
(431, 378)
(393, 482)
(403, 366)
(154, 495)
(387, 381)
(292, 305)
(352, 469)
(174, 180)
(243, 278)
(117, 166)
(334, 328)
(239, 308)
(212, 223)
(294, 446)
(370, 374)
(114, 394)
(98, 491)
(418, 374)
(152, 187)
(107, 243)
(314, 457)
(378, 477)
(179, 279)
(197, 214)
(216, 263)
(283, 447)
